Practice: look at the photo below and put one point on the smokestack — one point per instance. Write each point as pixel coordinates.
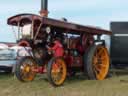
(44, 8)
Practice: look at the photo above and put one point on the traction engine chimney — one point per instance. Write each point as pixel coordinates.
(44, 8)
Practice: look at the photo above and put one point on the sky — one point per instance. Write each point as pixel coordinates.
(97, 13)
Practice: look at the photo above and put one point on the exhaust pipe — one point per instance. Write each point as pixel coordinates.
(44, 8)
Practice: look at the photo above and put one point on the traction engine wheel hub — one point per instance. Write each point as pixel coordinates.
(27, 69)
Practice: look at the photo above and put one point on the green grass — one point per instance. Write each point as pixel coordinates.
(74, 86)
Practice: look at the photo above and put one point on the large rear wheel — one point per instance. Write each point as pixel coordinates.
(56, 71)
(24, 68)
(97, 62)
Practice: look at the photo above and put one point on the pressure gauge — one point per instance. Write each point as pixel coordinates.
(48, 30)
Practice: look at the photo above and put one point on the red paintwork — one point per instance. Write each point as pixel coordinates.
(24, 43)
(68, 60)
(58, 49)
(40, 70)
(72, 61)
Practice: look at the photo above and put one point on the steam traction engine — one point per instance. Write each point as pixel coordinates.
(81, 52)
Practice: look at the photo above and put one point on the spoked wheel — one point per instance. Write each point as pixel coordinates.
(24, 68)
(56, 71)
(97, 62)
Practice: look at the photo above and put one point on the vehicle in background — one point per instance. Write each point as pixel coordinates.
(119, 44)
(20, 52)
(7, 58)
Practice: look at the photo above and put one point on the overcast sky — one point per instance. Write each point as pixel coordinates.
(88, 12)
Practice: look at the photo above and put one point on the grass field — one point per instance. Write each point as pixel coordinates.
(74, 86)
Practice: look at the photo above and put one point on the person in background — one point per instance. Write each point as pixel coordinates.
(58, 50)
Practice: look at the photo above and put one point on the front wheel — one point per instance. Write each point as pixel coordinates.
(96, 62)
(56, 71)
(24, 68)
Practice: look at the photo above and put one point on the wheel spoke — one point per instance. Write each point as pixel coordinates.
(103, 66)
(96, 71)
(101, 52)
(24, 75)
(95, 60)
(97, 68)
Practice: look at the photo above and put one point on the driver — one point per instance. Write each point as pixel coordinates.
(57, 48)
